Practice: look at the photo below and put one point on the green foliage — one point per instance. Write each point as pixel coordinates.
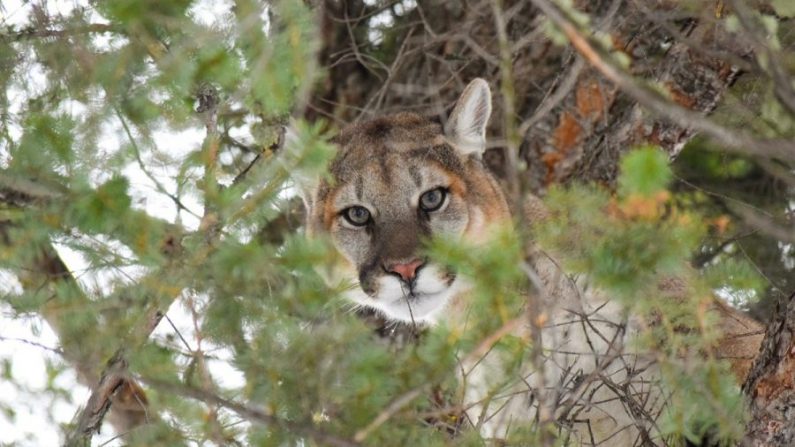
(737, 279)
(500, 282)
(776, 116)
(631, 244)
(720, 185)
(248, 296)
(714, 165)
(644, 171)
(46, 144)
(94, 209)
(711, 406)
(623, 243)
(784, 8)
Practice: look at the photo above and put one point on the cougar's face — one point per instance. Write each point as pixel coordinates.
(398, 181)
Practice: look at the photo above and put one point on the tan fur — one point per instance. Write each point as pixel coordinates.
(386, 165)
(741, 337)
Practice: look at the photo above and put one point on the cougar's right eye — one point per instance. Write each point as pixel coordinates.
(357, 215)
(433, 200)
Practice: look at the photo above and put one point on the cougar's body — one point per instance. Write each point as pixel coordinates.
(402, 178)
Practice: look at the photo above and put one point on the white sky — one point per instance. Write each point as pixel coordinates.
(24, 341)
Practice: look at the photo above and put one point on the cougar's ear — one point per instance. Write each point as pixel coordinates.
(466, 127)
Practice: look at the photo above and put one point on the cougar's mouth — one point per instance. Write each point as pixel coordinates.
(417, 307)
(417, 296)
(421, 301)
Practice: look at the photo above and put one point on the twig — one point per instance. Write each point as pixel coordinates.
(702, 259)
(273, 148)
(179, 334)
(487, 343)
(508, 92)
(379, 98)
(114, 378)
(534, 313)
(33, 343)
(767, 225)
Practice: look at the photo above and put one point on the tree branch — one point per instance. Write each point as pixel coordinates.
(33, 32)
(250, 413)
(50, 275)
(736, 141)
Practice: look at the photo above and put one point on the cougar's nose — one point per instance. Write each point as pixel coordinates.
(408, 270)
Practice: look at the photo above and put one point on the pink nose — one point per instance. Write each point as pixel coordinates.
(408, 270)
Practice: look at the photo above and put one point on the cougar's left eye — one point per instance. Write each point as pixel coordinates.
(357, 215)
(433, 200)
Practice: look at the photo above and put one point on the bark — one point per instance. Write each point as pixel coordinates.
(770, 385)
(573, 123)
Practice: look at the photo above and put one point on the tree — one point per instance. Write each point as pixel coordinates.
(89, 93)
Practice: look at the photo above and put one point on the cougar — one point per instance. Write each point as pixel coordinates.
(402, 178)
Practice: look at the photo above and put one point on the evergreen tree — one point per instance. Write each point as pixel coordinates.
(148, 215)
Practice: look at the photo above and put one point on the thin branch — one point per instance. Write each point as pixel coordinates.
(551, 101)
(179, 334)
(207, 97)
(685, 38)
(33, 32)
(508, 92)
(251, 413)
(17, 190)
(767, 225)
(273, 148)
(487, 343)
(702, 259)
(48, 274)
(159, 186)
(379, 98)
(33, 343)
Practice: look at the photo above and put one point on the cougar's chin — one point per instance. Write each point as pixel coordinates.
(418, 307)
(423, 303)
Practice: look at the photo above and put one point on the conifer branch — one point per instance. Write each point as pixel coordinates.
(251, 413)
(34, 32)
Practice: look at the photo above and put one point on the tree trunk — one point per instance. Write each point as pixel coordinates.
(573, 124)
(770, 385)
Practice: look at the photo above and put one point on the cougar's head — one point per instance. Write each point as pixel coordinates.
(398, 180)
